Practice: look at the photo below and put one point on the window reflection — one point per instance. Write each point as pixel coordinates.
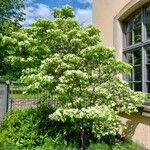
(133, 33)
(137, 35)
(130, 77)
(137, 86)
(137, 57)
(129, 33)
(137, 28)
(148, 55)
(148, 63)
(137, 73)
(148, 72)
(135, 77)
(148, 87)
(148, 22)
(129, 58)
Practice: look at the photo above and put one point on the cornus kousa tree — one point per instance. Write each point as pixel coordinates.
(68, 60)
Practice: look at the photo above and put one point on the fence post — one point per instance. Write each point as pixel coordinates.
(4, 97)
(7, 95)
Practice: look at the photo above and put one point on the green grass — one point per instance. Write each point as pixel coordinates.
(17, 93)
(50, 144)
(22, 97)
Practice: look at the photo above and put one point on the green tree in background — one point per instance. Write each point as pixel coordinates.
(69, 61)
(11, 13)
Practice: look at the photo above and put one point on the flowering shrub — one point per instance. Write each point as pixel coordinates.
(70, 61)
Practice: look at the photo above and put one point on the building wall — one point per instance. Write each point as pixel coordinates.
(138, 128)
(104, 12)
(107, 16)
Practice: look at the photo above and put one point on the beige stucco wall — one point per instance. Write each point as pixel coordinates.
(107, 16)
(104, 12)
(137, 127)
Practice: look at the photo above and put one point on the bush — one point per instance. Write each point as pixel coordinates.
(26, 128)
(31, 129)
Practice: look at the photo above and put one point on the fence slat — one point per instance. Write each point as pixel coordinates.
(4, 96)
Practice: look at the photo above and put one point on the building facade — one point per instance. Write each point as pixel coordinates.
(125, 26)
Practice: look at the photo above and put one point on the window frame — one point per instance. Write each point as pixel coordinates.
(145, 42)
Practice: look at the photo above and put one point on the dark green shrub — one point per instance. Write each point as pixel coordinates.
(26, 128)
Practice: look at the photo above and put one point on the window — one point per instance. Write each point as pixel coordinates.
(133, 31)
(148, 23)
(137, 49)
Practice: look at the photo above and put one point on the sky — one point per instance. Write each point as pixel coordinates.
(36, 9)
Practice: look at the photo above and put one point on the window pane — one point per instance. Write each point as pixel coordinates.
(133, 33)
(129, 33)
(137, 28)
(137, 73)
(129, 58)
(130, 77)
(130, 85)
(137, 21)
(148, 54)
(129, 38)
(148, 72)
(148, 22)
(137, 35)
(137, 57)
(148, 87)
(137, 86)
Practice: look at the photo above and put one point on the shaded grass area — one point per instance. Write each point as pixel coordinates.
(51, 145)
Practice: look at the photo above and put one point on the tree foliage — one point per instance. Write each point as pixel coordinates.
(70, 61)
(11, 13)
(10, 10)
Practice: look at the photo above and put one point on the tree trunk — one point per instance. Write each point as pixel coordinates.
(82, 140)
